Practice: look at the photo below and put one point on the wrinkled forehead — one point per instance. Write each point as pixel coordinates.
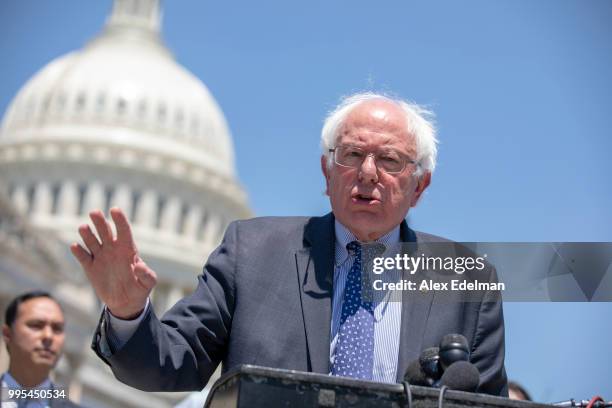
(42, 308)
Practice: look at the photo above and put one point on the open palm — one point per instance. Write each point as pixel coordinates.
(119, 277)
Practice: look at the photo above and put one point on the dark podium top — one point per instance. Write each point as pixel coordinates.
(254, 387)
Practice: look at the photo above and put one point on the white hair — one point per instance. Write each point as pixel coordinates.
(419, 122)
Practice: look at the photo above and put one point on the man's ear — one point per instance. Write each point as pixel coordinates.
(6, 334)
(325, 171)
(422, 184)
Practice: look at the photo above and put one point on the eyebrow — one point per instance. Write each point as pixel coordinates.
(45, 321)
(383, 149)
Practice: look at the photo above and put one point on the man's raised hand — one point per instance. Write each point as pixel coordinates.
(119, 277)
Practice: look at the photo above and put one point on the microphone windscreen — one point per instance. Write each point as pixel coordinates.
(453, 348)
(429, 362)
(416, 376)
(454, 341)
(461, 376)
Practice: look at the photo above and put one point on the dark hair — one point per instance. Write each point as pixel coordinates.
(519, 389)
(11, 311)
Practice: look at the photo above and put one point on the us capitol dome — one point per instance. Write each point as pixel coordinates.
(117, 123)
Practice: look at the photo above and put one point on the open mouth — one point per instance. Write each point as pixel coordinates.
(365, 199)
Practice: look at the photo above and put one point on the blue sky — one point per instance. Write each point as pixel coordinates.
(522, 90)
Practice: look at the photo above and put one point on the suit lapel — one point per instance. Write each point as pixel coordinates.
(416, 306)
(315, 268)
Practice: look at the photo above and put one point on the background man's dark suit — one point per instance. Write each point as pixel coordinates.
(265, 298)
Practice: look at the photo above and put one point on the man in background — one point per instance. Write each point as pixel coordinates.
(518, 392)
(33, 332)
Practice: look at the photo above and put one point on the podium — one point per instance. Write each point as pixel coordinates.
(260, 387)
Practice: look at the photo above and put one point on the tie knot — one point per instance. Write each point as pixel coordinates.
(354, 247)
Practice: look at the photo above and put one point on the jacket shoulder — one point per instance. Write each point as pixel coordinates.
(266, 231)
(425, 237)
(268, 223)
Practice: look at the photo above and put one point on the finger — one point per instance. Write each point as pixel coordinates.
(81, 255)
(145, 276)
(90, 240)
(124, 231)
(102, 227)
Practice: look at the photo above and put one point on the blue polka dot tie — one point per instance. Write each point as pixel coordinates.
(355, 343)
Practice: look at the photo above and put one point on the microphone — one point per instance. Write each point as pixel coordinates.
(415, 375)
(425, 371)
(453, 348)
(429, 360)
(595, 402)
(447, 365)
(461, 376)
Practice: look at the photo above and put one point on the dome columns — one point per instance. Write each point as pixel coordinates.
(20, 199)
(68, 201)
(94, 197)
(169, 218)
(144, 214)
(192, 222)
(122, 198)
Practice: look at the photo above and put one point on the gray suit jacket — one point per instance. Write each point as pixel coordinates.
(265, 298)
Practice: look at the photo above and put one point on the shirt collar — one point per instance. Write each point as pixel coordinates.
(12, 383)
(344, 236)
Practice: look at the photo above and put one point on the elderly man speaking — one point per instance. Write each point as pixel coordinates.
(286, 292)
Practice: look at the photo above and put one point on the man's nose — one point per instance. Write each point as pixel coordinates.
(368, 172)
(47, 334)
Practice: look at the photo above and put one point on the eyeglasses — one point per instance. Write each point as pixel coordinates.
(389, 160)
